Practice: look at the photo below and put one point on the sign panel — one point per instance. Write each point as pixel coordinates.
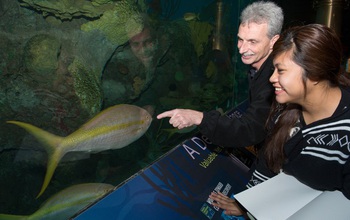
(177, 186)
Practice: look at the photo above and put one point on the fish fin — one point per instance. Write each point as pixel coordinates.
(52, 162)
(170, 131)
(13, 217)
(50, 143)
(150, 109)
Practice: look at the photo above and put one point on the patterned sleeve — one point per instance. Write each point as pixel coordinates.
(260, 172)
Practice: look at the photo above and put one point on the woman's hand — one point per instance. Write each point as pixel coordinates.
(229, 205)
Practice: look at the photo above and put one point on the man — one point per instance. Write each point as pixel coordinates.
(144, 46)
(261, 24)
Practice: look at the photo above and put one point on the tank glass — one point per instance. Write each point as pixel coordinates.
(81, 84)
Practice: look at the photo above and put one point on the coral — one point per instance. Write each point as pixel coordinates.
(41, 54)
(21, 97)
(119, 23)
(211, 70)
(179, 76)
(67, 9)
(200, 33)
(87, 86)
(138, 85)
(100, 2)
(114, 92)
(11, 55)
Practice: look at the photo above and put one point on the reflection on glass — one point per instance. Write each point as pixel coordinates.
(63, 63)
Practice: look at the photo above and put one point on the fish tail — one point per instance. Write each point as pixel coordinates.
(13, 217)
(53, 160)
(51, 144)
(50, 141)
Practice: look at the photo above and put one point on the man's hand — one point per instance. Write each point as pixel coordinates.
(182, 118)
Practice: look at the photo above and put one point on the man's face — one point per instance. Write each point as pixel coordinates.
(253, 43)
(143, 46)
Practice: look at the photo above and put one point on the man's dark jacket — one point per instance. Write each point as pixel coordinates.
(250, 128)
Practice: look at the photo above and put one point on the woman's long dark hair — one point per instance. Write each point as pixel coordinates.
(318, 50)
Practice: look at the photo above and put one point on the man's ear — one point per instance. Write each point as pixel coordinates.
(273, 40)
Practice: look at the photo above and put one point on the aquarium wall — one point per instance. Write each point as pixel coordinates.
(82, 81)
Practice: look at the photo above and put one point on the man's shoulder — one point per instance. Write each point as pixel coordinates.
(267, 65)
(265, 71)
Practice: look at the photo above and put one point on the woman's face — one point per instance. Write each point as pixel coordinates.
(288, 80)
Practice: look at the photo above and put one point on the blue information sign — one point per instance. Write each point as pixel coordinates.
(177, 186)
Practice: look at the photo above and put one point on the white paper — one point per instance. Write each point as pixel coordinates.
(277, 198)
(328, 205)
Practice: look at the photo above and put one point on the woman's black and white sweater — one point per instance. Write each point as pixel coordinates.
(318, 154)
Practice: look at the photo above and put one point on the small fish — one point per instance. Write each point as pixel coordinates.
(191, 17)
(66, 202)
(172, 131)
(113, 128)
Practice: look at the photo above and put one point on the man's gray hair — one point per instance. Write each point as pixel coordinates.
(264, 12)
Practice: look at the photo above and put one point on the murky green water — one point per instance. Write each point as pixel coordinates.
(60, 66)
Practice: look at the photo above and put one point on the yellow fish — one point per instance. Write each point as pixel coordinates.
(66, 203)
(191, 17)
(172, 131)
(113, 128)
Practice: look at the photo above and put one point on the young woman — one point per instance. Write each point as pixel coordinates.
(309, 125)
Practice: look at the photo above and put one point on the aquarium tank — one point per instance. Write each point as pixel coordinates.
(81, 83)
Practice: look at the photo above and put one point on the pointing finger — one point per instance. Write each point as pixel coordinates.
(165, 114)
